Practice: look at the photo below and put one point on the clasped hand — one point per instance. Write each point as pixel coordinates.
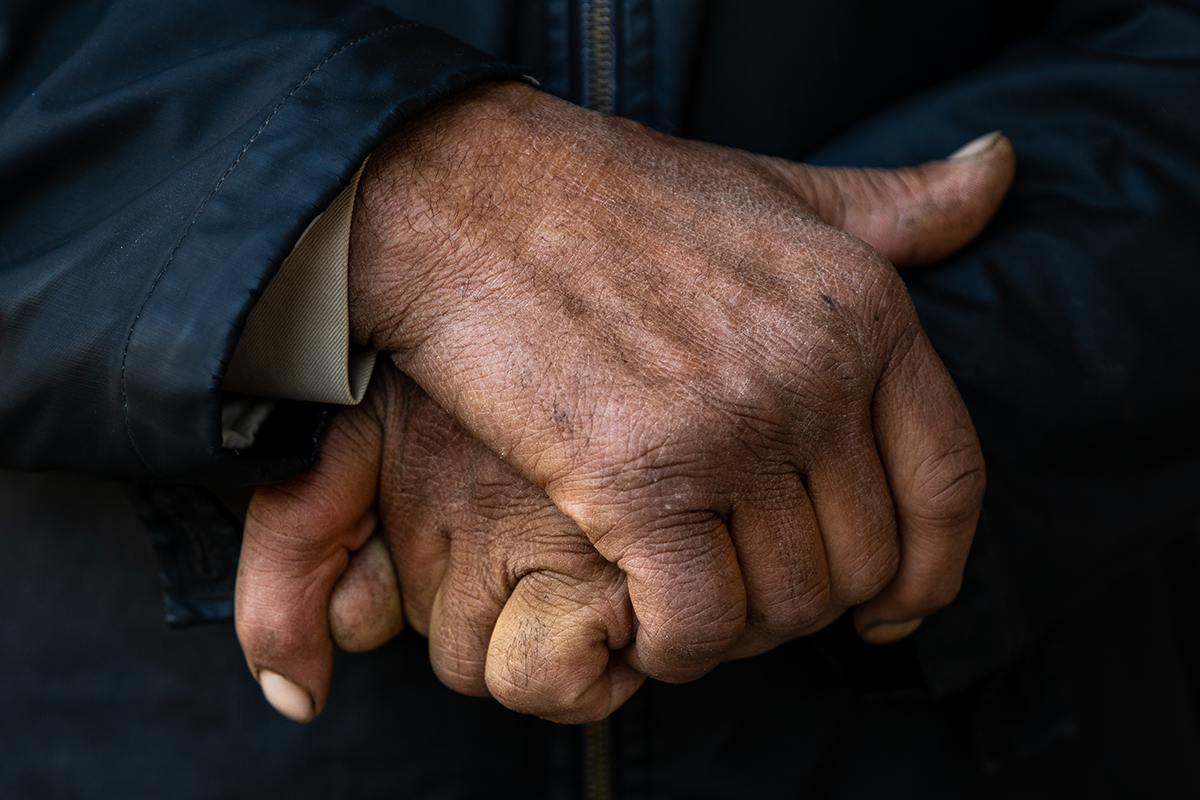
(652, 404)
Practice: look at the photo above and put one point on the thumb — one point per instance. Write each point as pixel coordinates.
(912, 215)
(299, 539)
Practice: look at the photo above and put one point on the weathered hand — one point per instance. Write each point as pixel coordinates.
(465, 528)
(732, 398)
(514, 599)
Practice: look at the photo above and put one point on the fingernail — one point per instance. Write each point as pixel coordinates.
(888, 632)
(286, 697)
(977, 146)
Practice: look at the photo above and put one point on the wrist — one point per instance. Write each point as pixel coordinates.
(436, 204)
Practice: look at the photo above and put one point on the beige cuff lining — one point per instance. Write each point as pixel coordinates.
(296, 342)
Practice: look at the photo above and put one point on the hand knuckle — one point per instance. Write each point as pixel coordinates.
(790, 610)
(461, 674)
(952, 485)
(690, 643)
(529, 689)
(871, 572)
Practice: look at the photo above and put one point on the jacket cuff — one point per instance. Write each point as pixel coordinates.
(317, 134)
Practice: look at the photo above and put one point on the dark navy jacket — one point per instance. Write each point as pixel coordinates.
(158, 160)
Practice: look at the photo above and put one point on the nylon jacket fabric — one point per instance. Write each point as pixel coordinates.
(155, 180)
(161, 159)
(1068, 326)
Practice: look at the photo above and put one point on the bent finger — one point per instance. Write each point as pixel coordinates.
(935, 467)
(489, 558)
(854, 508)
(463, 613)
(555, 649)
(365, 609)
(784, 567)
(686, 588)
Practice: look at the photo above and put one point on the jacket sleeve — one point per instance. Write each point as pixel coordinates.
(159, 161)
(1069, 326)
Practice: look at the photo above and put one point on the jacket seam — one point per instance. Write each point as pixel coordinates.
(171, 257)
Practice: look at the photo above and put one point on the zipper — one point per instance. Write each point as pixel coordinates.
(598, 43)
(597, 760)
(598, 91)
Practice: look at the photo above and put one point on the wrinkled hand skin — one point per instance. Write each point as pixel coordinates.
(515, 601)
(730, 396)
(670, 342)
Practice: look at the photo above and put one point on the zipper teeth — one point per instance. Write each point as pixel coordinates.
(598, 759)
(599, 41)
(601, 67)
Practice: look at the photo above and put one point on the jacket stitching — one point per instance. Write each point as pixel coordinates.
(171, 257)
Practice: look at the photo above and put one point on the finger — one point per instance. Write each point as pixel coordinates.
(464, 525)
(854, 509)
(913, 215)
(296, 547)
(463, 613)
(554, 650)
(935, 468)
(686, 588)
(783, 564)
(510, 529)
(365, 611)
(425, 496)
